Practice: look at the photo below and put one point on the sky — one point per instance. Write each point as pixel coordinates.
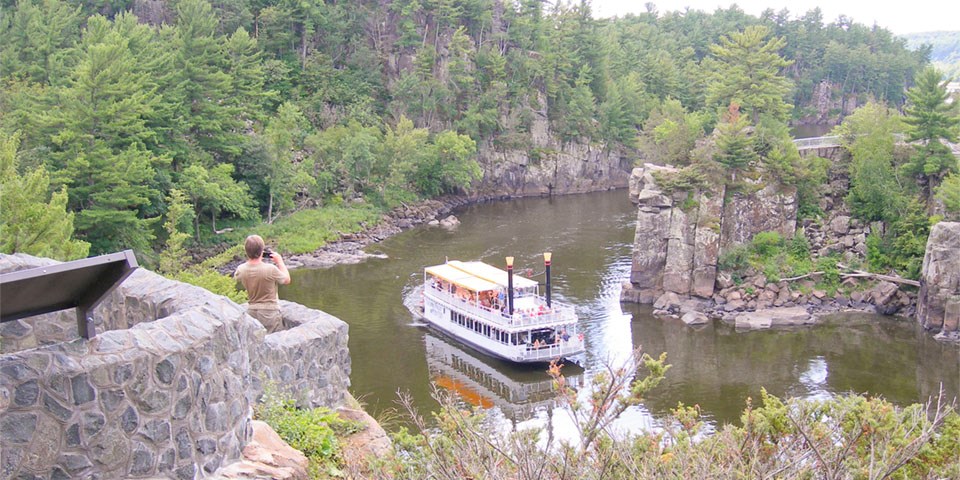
(912, 16)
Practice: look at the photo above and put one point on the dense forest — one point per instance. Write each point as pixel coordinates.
(117, 116)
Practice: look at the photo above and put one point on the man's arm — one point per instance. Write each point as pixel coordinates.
(285, 274)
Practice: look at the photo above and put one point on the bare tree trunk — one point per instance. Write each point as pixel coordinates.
(270, 209)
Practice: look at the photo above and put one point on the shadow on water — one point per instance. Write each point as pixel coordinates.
(591, 239)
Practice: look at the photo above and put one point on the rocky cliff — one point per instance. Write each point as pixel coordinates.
(548, 165)
(681, 235)
(826, 106)
(938, 307)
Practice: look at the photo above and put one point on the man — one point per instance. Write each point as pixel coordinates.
(261, 280)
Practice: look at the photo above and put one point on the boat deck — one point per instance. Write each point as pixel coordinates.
(528, 311)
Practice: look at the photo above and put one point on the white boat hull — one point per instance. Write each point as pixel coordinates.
(439, 310)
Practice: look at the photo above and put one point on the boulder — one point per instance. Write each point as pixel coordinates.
(774, 317)
(694, 318)
(667, 301)
(361, 448)
(266, 456)
(840, 224)
(883, 293)
(450, 221)
(734, 305)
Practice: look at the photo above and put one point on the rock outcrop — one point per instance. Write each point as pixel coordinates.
(938, 307)
(774, 317)
(266, 456)
(546, 164)
(680, 235)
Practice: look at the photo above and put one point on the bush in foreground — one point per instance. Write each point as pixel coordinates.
(848, 437)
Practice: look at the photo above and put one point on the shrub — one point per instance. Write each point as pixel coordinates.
(766, 244)
(313, 431)
(848, 436)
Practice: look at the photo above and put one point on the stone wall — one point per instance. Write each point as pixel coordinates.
(680, 236)
(309, 361)
(938, 307)
(165, 388)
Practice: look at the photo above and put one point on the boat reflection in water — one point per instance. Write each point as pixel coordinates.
(518, 391)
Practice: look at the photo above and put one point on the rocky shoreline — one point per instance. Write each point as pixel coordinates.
(757, 304)
(349, 248)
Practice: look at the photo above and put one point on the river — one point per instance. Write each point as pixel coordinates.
(590, 235)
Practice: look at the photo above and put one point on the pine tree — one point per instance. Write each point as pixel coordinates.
(36, 38)
(171, 256)
(207, 116)
(31, 220)
(734, 148)
(99, 142)
(932, 121)
(748, 72)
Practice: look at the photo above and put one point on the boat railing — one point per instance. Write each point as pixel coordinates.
(558, 312)
(551, 351)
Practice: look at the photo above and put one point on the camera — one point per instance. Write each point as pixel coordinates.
(267, 253)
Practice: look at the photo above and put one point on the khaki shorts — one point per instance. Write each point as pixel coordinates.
(270, 318)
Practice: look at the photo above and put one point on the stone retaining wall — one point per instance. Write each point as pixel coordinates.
(310, 361)
(165, 388)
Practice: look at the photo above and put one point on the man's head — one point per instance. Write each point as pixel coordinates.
(253, 245)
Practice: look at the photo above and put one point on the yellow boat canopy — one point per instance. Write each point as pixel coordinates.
(492, 274)
(461, 278)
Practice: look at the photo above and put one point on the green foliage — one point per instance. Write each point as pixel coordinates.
(734, 258)
(949, 193)
(205, 274)
(734, 149)
(777, 257)
(36, 37)
(932, 120)
(451, 168)
(670, 133)
(312, 431)
(747, 73)
(687, 179)
(875, 191)
(117, 108)
(213, 281)
(307, 230)
(902, 247)
(171, 258)
(286, 175)
(214, 190)
(848, 436)
(32, 220)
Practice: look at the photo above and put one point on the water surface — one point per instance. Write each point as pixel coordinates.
(590, 236)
